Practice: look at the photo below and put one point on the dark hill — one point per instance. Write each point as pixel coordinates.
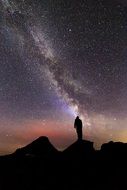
(40, 166)
(80, 149)
(114, 150)
(39, 147)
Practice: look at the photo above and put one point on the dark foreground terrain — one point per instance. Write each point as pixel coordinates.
(40, 166)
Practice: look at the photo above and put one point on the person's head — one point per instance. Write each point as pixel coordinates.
(77, 117)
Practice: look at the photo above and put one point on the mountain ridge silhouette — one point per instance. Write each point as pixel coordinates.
(43, 147)
(39, 147)
(39, 165)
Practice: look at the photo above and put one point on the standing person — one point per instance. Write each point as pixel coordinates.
(78, 127)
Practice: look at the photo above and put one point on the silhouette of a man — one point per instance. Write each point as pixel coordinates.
(78, 127)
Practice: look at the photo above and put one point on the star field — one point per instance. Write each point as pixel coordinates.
(59, 59)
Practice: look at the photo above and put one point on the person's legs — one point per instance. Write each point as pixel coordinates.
(79, 133)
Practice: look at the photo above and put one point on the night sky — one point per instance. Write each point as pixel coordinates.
(60, 59)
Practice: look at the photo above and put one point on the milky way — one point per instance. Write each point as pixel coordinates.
(60, 59)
